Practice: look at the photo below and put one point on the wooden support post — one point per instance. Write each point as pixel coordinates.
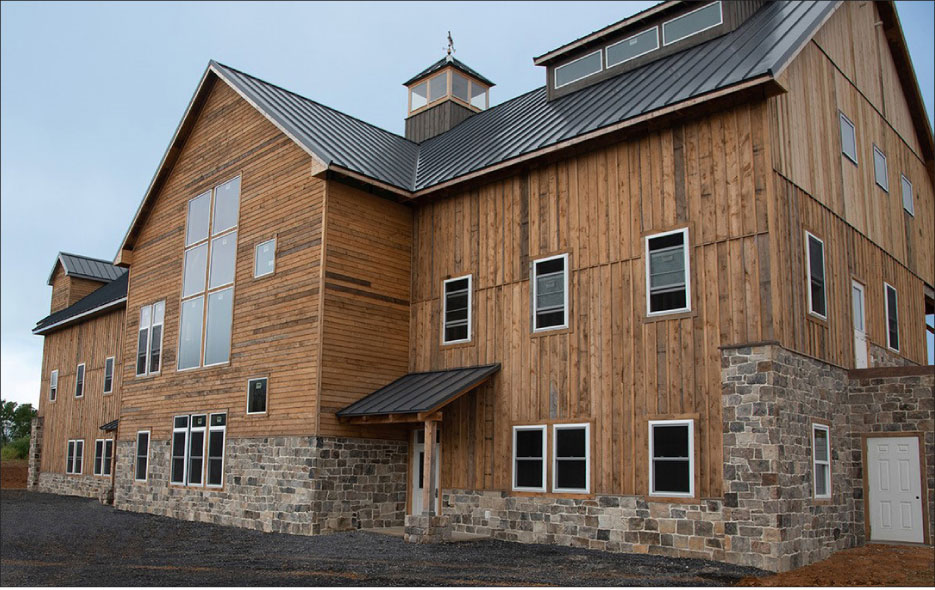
(428, 474)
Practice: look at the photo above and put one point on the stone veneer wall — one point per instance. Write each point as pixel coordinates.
(35, 453)
(299, 485)
(882, 357)
(89, 486)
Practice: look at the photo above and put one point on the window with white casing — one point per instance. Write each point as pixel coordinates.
(103, 455)
(571, 458)
(457, 310)
(149, 338)
(908, 203)
(74, 457)
(550, 293)
(179, 448)
(667, 273)
(821, 457)
(141, 464)
(109, 375)
(632, 47)
(79, 381)
(815, 255)
(53, 385)
(529, 458)
(692, 23)
(208, 277)
(880, 174)
(892, 317)
(188, 450)
(579, 68)
(256, 395)
(217, 432)
(264, 261)
(672, 458)
(848, 138)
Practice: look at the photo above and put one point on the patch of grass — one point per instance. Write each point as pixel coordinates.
(16, 449)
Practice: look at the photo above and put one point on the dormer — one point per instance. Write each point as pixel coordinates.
(73, 277)
(664, 29)
(443, 95)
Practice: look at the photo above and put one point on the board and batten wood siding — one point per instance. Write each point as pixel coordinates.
(89, 342)
(275, 317)
(67, 290)
(613, 366)
(365, 308)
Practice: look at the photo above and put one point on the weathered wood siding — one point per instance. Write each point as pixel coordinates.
(613, 366)
(89, 342)
(68, 290)
(275, 317)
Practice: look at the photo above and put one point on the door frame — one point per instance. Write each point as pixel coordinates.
(412, 437)
(864, 441)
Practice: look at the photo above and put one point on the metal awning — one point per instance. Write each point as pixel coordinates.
(110, 426)
(414, 397)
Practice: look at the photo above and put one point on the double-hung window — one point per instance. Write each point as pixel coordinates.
(879, 169)
(79, 381)
(667, 273)
(103, 454)
(53, 385)
(892, 317)
(815, 252)
(457, 310)
(672, 458)
(142, 456)
(821, 457)
(208, 277)
(529, 458)
(550, 293)
(907, 195)
(74, 457)
(109, 375)
(571, 464)
(149, 338)
(848, 138)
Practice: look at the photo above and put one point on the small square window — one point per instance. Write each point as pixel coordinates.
(879, 169)
(264, 262)
(848, 139)
(671, 448)
(908, 204)
(529, 458)
(571, 458)
(821, 455)
(256, 396)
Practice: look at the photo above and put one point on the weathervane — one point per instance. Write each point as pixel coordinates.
(451, 47)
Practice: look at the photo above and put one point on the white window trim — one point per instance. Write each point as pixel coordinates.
(136, 454)
(691, 458)
(149, 338)
(903, 181)
(265, 405)
(556, 85)
(542, 430)
(256, 256)
(587, 457)
(113, 372)
(886, 302)
(84, 378)
(688, 273)
(53, 377)
(607, 49)
(808, 273)
(185, 430)
(720, 10)
(204, 451)
(470, 311)
(76, 467)
(844, 119)
(212, 428)
(886, 172)
(535, 289)
(816, 462)
(110, 466)
(103, 441)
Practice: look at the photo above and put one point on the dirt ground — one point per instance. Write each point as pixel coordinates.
(870, 565)
(49, 540)
(13, 474)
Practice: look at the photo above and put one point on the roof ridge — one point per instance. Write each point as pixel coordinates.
(305, 98)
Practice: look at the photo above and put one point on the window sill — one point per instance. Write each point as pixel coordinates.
(458, 344)
(551, 331)
(673, 499)
(669, 315)
(250, 415)
(814, 317)
(544, 494)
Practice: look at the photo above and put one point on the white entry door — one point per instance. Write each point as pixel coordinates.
(418, 468)
(860, 326)
(895, 484)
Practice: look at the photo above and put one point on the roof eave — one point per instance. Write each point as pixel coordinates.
(81, 316)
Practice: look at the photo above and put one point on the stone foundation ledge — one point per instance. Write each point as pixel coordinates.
(422, 528)
(88, 486)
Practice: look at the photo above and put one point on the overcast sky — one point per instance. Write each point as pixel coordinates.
(91, 94)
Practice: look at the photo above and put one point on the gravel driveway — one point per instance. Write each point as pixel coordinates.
(67, 541)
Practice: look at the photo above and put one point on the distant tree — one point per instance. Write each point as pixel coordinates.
(15, 420)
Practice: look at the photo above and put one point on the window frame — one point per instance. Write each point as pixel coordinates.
(842, 118)
(470, 310)
(587, 458)
(99, 467)
(137, 455)
(690, 422)
(608, 65)
(808, 275)
(249, 391)
(599, 51)
(53, 385)
(886, 302)
(172, 456)
(816, 462)
(688, 272)
(886, 173)
(256, 258)
(709, 27)
(535, 293)
(903, 181)
(82, 371)
(72, 455)
(188, 450)
(112, 361)
(147, 372)
(212, 428)
(544, 437)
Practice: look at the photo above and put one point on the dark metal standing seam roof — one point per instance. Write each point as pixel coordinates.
(759, 47)
(419, 392)
(87, 268)
(110, 294)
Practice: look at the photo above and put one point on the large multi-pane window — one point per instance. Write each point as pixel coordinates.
(208, 277)
(892, 317)
(550, 293)
(529, 458)
(149, 338)
(815, 250)
(667, 272)
(457, 310)
(821, 457)
(74, 457)
(190, 437)
(672, 464)
(103, 455)
(53, 385)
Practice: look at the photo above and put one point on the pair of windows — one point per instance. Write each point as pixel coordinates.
(103, 456)
(571, 458)
(149, 339)
(821, 461)
(208, 277)
(198, 450)
(74, 457)
(880, 174)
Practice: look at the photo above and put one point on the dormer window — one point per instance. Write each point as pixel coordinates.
(692, 23)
